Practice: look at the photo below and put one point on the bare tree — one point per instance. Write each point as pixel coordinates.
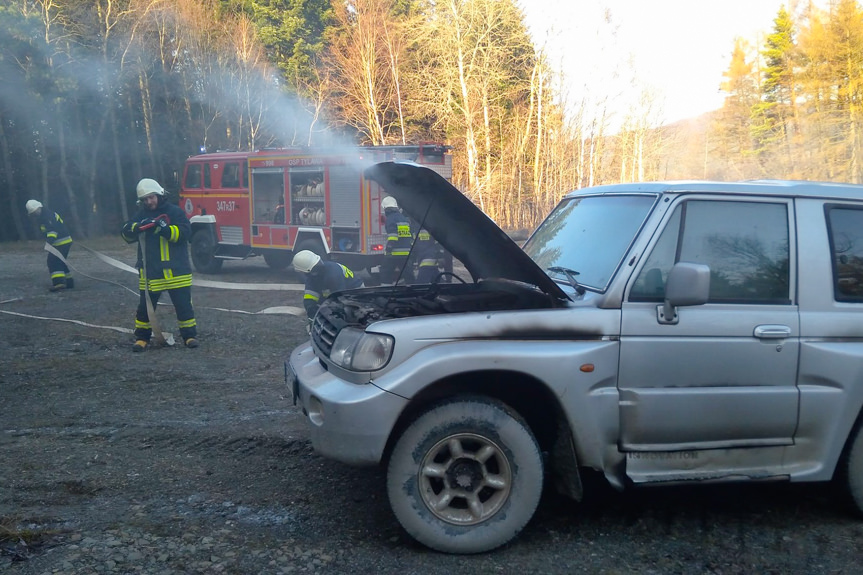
(361, 60)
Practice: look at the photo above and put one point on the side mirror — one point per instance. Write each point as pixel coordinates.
(687, 284)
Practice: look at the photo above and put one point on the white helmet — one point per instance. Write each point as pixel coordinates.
(305, 260)
(147, 187)
(32, 206)
(389, 202)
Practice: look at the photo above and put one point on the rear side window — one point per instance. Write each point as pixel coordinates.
(845, 224)
(745, 244)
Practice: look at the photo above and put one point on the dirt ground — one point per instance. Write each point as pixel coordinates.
(194, 461)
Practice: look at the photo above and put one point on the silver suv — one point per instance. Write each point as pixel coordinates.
(653, 332)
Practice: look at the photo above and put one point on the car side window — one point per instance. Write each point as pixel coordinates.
(650, 284)
(231, 175)
(193, 176)
(745, 244)
(845, 225)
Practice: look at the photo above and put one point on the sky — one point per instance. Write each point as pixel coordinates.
(677, 49)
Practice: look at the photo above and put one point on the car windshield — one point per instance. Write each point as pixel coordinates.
(587, 237)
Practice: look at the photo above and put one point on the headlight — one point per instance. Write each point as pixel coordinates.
(360, 351)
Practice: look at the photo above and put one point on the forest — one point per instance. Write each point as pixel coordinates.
(96, 94)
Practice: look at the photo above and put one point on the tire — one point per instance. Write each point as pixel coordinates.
(374, 279)
(852, 472)
(438, 478)
(203, 250)
(312, 246)
(278, 260)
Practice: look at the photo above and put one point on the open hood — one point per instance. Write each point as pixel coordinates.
(459, 226)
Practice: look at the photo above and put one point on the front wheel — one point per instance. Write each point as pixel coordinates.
(203, 250)
(466, 476)
(851, 471)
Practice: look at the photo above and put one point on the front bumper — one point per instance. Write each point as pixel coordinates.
(348, 422)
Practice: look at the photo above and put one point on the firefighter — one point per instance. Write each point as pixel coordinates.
(162, 232)
(398, 244)
(322, 279)
(57, 235)
(428, 257)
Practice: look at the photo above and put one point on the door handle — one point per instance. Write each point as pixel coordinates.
(772, 331)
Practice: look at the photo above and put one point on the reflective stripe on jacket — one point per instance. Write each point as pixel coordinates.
(398, 230)
(168, 264)
(54, 228)
(332, 277)
(426, 250)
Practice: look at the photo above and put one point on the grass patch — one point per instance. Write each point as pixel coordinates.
(22, 542)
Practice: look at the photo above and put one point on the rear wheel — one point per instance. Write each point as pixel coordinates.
(466, 476)
(312, 246)
(278, 260)
(203, 250)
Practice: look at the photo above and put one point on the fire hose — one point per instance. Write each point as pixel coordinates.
(290, 310)
(151, 309)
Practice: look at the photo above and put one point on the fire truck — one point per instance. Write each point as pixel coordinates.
(274, 202)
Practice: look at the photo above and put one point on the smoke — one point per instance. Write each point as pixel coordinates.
(82, 125)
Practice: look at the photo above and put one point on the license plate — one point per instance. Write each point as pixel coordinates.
(292, 382)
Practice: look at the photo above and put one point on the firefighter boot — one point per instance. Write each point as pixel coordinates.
(57, 287)
(139, 346)
(191, 343)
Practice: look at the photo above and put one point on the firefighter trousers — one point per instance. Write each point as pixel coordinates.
(181, 297)
(427, 274)
(394, 268)
(57, 268)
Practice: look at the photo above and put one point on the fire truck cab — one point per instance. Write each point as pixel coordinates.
(274, 202)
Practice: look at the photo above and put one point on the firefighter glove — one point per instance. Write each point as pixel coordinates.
(146, 224)
(132, 228)
(161, 226)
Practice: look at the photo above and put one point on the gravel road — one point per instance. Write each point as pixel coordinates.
(194, 461)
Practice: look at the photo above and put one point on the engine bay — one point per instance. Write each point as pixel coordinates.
(362, 307)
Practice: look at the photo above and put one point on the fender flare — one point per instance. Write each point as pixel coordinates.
(204, 223)
(202, 220)
(304, 233)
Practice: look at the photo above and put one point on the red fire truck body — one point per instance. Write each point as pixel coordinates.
(275, 202)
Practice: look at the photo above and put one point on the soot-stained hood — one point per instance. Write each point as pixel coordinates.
(458, 225)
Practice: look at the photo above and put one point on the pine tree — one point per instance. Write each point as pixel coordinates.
(775, 127)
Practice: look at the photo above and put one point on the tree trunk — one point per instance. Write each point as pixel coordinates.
(118, 165)
(73, 214)
(21, 229)
(147, 116)
(95, 226)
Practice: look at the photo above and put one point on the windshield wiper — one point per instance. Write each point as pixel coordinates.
(570, 276)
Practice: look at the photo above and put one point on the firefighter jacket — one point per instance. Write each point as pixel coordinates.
(51, 224)
(167, 250)
(427, 250)
(398, 229)
(324, 279)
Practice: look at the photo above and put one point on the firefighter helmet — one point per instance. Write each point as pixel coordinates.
(389, 202)
(305, 260)
(32, 206)
(148, 186)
